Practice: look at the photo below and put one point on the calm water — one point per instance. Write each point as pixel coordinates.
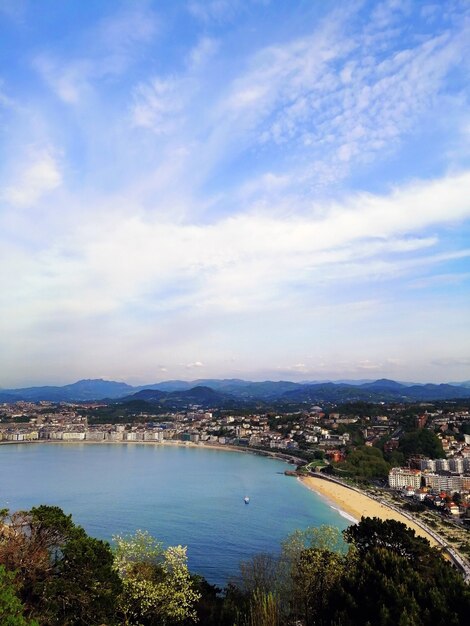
(188, 496)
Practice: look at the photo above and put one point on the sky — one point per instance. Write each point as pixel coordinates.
(234, 188)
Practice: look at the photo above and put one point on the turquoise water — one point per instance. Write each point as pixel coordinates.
(188, 496)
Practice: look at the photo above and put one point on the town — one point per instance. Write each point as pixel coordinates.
(421, 451)
(414, 459)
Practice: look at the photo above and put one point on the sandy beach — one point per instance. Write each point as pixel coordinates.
(357, 504)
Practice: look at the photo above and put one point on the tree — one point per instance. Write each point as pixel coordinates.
(422, 441)
(315, 574)
(260, 573)
(11, 608)
(85, 587)
(62, 575)
(306, 556)
(373, 532)
(157, 585)
(264, 610)
(365, 462)
(387, 589)
(398, 578)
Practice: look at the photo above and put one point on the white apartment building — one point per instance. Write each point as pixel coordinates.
(428, 464)
(456, 465)
(449, 484)
(400, 477)
(442, 465)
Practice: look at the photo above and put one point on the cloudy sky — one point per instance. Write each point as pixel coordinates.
(234, 188)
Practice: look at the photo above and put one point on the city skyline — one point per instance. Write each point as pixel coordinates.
(259, 190)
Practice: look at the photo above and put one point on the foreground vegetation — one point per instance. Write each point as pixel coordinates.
(53, 573)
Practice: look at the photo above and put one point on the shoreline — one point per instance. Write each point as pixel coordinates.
(356, 504)
(280, 456)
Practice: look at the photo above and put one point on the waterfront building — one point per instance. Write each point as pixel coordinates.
(428, 464)
(442, 465)
(400, 477)
(447, 483)
(456, 465)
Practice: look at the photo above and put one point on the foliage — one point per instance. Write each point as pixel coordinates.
(62, 575)
(322, 537)
(260, 573)
(11, 608)
(264, 609)
(315, 575)
(398, 579)
(365, 462)
(158, 588)
(422, 441)
(388, 589)
(373, 532)
(85, 586)
(377, 572)
(395, 458)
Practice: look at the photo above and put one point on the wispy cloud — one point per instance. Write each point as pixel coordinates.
(108, 50)
(200, 192)
(38, 175)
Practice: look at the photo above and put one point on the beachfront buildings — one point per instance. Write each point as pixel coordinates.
(401, 477)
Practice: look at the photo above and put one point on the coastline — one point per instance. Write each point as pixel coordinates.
(280, 456)
(355, 504)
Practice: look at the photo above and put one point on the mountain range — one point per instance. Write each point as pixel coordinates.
(225, 392)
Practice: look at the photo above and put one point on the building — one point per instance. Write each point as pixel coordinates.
(442, 465)
(428, 464)
(447, 483)
(400, 477)
(456, 465)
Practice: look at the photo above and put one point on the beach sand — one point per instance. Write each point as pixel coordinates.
(356, 504)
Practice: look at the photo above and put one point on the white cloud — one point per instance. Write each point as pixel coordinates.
(39, 175)
(337, 96)
(196, 364)
(158, 104)
(241, 263)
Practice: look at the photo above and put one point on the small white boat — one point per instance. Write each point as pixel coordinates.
(246, 499)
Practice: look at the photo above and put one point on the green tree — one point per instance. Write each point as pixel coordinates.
(315, 574)
(157, 585)
(387, 589)
(259, 573)
(373, 532)
(62, 575)
(11, 608)
(264, 610)
(298, 555)
(365, 462)
(85, 585)
(398, 578)
(422, 441)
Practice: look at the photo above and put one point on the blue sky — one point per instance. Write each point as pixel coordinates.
(234, 188)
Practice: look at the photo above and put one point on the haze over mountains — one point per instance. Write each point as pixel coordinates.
(224, 392)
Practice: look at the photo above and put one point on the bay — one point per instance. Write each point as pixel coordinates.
(191, 496)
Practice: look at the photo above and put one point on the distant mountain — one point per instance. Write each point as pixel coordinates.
(328, 392)
(266, 390)
(169, 385)
(379, 391)
(436, 392)
(8, 397)
(149, 395)
(384, 384)
(227, 392)
(200, 395)
(82, 390)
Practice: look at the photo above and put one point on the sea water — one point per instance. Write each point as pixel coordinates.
(191, 496)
